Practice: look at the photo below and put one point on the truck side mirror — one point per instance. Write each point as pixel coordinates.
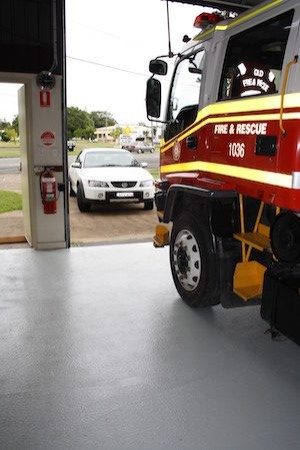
(158, 67)
(153, 98)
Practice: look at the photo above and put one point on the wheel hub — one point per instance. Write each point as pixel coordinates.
(187, 260)
(182, 258)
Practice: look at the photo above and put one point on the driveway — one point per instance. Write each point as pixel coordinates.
(115, 222)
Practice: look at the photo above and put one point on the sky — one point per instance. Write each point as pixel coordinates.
(118, 38)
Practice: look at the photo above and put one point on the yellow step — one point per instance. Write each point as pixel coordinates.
(256, 240)
(161, 237)
(248, 279)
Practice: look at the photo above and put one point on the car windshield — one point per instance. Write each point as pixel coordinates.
(110, 159)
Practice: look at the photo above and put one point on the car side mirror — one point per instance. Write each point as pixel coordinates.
(158, 67)
(153, 98)
(144, 164)
(76, 165)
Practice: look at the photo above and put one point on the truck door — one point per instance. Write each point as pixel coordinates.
(184, 101)
(246, 131)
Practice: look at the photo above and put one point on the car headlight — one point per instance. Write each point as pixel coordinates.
(95, 183)
(147, 183)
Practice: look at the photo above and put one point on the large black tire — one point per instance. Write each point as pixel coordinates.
(83, 204)
(71, 191)
(193, 262)
(148, 204)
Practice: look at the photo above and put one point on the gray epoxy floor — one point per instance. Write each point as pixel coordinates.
(97, 352)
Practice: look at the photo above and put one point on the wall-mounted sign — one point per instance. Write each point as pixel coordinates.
(48, 138)
(45, 99)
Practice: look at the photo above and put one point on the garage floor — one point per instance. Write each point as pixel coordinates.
(97, 352)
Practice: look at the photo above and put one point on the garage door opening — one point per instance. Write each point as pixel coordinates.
(12, 201)
(106, 109)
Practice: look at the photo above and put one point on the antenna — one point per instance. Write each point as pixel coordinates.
(171, 54)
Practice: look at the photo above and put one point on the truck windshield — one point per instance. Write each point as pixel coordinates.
(185, 93)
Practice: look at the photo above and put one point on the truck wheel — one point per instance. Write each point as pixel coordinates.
(83, 205)
(192, 262)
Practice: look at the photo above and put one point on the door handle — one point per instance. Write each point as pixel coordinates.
(191, 142)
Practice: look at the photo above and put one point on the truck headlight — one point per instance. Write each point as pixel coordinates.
(147, 183)
(95, 183)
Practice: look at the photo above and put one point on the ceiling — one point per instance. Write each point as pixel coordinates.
(230, 5)
(27, 35)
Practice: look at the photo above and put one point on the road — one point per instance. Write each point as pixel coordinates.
(12, 165)
(9, 165)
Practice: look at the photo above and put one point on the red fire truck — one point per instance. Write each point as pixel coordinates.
(229, 197)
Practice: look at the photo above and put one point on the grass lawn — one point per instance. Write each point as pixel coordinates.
(9, 150)
(12, 150)
(10, 201)
(80, 145)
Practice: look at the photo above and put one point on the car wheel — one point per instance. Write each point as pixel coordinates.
(192, 262)
(83, 205)
(148, 205)
(71, 191)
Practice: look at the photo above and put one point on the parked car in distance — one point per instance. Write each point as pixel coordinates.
(71, 145)
(140, 146)
(110, 175)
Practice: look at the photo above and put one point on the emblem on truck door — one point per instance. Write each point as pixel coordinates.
(176, 151)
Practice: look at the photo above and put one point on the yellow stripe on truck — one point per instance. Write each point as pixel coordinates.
(261, 176)
(248, 16)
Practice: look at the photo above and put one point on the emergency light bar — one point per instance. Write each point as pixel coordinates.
(205, 20)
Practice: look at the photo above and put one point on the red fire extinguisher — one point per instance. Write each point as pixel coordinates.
(49, 195)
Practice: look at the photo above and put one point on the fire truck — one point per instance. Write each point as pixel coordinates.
(228, 199)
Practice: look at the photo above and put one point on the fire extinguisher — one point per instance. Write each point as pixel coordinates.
(48, 186)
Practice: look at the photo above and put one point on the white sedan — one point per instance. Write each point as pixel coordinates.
(109, 174)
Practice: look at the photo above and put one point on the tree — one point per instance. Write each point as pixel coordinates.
(102, 119)
(79, 123)
(5, 136)
(9, 134)
(15, 124)
(4, 124)
(116, 132)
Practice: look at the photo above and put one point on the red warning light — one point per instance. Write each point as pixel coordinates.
(205, 20)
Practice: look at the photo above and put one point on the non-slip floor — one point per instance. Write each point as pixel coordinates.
(98, 352)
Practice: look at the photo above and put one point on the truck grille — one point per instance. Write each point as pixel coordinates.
(123, 184)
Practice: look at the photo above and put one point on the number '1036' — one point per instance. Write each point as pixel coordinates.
(237, 149)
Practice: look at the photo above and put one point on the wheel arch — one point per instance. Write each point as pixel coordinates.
(217, 207)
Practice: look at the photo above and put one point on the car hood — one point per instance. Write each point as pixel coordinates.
(116, 174)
